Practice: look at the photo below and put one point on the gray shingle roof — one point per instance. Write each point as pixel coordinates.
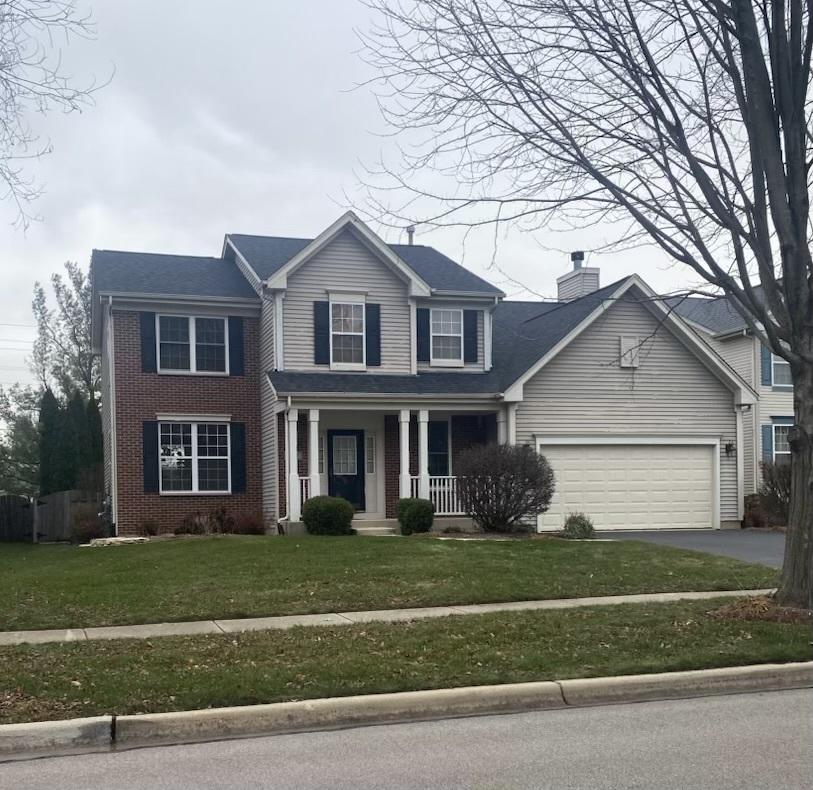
(716, 315)
(114, 271)
(267, 254)
(523, 333)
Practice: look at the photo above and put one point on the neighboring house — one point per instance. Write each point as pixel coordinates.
(768, 422)
(287, 368)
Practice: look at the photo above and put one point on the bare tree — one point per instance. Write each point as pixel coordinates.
(685, 123)
(33, 80)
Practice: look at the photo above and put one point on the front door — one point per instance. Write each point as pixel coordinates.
(345, 464)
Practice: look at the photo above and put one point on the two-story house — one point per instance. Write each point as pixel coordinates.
(285, 368)
(767, 424)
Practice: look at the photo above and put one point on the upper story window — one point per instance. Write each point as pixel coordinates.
(781, 445)
(447, 337)
(194, 457)
(190, 344)
(347, 334)
(781, 372)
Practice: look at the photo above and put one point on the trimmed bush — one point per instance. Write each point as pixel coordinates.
(248, 524)
(328, 515)
(193, 524)
(502, 487)
(754, 515)
(578, 527)
(415, 515)
(149, 527)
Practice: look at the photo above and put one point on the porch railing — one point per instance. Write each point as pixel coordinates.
(442, 494)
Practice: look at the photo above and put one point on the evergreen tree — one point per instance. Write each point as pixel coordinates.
(48, 440)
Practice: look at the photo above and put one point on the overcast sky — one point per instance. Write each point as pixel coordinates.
(230, 117)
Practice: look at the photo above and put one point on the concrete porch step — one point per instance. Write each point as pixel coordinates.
(387, 526)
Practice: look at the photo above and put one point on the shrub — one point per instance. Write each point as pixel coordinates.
(328, 515)
(500, 486)
(86, 523)
(192, 524)
(219, 522)
(150, 527)
(578, 527)
(249, 524)
(775, 491)
(754, 515)
(415, 515)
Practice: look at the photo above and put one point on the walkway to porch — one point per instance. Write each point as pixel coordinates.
(380, 457)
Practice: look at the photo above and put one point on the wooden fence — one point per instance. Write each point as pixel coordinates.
(49, 520)
(16, 519)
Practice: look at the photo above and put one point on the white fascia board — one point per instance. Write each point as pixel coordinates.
(417, 286)
(158, 302)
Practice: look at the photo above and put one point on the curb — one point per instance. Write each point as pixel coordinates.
(107, 733)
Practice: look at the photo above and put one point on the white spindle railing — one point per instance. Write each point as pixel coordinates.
(442, 493)
(304, 489)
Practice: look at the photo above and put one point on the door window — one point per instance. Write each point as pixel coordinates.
(344, 455)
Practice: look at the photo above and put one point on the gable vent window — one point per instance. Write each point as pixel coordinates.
(192, 345)
(630, 356)
(347, 334)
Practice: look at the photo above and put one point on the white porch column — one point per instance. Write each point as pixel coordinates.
(423, 454)
(313, 451)
(294, 496)
(502, 427)
(511, 423)
(403, 478)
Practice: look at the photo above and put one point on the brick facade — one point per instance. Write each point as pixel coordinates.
(140, 396)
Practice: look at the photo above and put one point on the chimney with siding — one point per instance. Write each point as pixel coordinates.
(581, 281)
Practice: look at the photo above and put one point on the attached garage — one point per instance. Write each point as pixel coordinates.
(634, 483)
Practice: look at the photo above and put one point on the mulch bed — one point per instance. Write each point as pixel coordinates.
(762, 608)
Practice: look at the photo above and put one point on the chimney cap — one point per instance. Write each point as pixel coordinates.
(410, 234)
(577, 258)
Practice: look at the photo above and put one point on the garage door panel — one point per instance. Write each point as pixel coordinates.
(633, 486)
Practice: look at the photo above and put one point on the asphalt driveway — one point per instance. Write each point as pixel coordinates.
(751, 545)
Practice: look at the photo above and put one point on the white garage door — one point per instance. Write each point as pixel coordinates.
(632, 486)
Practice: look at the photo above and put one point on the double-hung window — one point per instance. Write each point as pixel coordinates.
(194, 457)
(193, 345)
(447, 337)
(781, 445)
(781, 372)
(347, 334)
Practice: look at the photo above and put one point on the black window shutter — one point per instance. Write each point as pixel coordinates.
(148, 363)
(422, 321)
(470, 336)
(321, 333)
(372, 329)
(150, 454)
(238, 457)
(237, 366)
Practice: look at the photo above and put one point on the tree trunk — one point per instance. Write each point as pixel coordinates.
(795, 587)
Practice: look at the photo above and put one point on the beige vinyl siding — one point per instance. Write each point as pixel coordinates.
(584, 392)
(268, 418)
(345, 264)
(772, 403)
(475, 366)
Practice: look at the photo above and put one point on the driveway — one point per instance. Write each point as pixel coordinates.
(751, 545)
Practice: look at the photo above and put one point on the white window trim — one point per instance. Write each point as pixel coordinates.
(192, 322)
(777, 360)
(355, 300)
(774, 453)
(194, 491)
(445, 363)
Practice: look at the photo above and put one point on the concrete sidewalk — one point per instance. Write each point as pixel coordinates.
(150, 630)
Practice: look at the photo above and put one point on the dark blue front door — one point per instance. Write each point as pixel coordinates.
(345, 466)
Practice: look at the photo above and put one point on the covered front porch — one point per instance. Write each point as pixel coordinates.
(374, 455)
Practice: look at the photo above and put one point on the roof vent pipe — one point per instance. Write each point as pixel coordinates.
(577, 258)
(410, 234)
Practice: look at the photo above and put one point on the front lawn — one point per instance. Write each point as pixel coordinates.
(231, 576)
(175, 673)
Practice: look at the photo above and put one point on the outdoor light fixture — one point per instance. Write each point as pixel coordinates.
(729, 448)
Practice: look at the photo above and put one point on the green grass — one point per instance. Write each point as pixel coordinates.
(177, 673)
(230, 577)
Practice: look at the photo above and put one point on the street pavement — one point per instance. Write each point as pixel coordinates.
(758, 741)
(751, 545)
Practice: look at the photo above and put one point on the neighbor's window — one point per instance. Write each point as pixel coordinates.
(781, 446)
(347, 333)
(447, 336)
(196, 345)
(194, 457)
(781, 372)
